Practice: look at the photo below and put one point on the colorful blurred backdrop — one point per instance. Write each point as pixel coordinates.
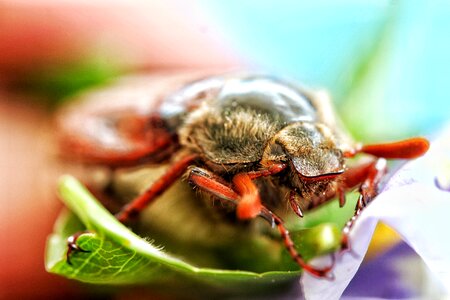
(385, 63)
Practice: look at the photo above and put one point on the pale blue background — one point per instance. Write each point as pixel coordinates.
(404, 89)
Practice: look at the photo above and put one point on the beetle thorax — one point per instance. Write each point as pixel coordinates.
(229, 137)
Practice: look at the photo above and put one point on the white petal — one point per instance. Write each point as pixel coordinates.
(413, 205)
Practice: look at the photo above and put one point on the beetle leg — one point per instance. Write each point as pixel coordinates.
(216, 186)
(123, 141)
(350, 179)
(366, 176)
(271, 170)
(369, 175)
(405, 149)
(250, 205)
(157, 188)
(213, 184)
(289, 245)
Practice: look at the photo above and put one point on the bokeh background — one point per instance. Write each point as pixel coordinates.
(385, 63)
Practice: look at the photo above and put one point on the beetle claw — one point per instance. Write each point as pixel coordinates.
(326, 273)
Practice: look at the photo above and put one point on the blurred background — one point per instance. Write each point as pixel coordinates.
(385, 63)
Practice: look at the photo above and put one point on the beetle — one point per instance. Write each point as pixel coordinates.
(247, 139)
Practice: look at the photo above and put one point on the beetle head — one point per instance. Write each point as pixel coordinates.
(310, 148)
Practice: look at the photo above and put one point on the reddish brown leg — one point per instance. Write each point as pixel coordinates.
(369, 175)
(137, 205)
(212, 184)
(91, 153)
(157, 188)
(130, 140)
(289, 244)
(216, 186)
(250, 205)
(405, 149)
(271, 170)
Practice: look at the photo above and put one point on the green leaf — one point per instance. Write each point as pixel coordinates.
(105, 262)
(115, 255)
(323, 238)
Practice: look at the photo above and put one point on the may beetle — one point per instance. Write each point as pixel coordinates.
(233, 136)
